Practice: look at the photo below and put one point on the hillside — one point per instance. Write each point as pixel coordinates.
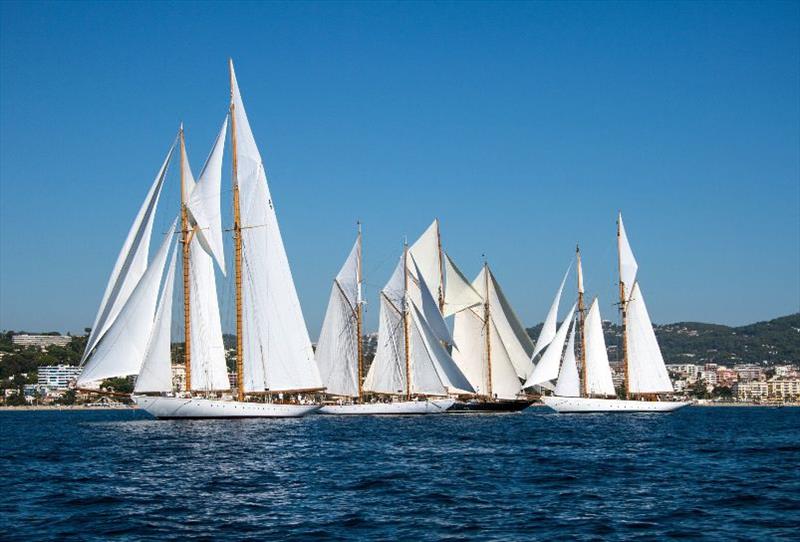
(772, 342)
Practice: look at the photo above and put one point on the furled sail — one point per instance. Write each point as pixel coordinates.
(627, 263)
(427, 254)
(459, 294)
(547, 368)
(204, 201)
(548, 331)
(209, 369)
(568, 384)
(277, 349)
(598, 370)
(156, 372)
(122, 349)
(131, 262)
(337, 348)
(646, 370)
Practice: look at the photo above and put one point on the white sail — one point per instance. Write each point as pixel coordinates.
(547, 368)
(337, 348)
(131, 262)
(459, 294)
(423, 297)
(646, 370)
(426, 252)
(469, 333)
(387, 374)
(121, 350)
(598, 370)
(424, 378)
(505, 381)
(627, 263)
(569, 384)
(156, 372)
(204, 202)
(277, 350)
(548, 331)
(515, 339)
(448, 372)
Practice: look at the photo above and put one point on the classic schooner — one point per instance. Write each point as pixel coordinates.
(592, 389)
(131, 336)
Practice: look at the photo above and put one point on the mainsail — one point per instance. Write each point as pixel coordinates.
(548, 331)
(646, 370)
(337, 348)
(156, 372)
(277, 353)
(548, 366)
(568, 384)
(627, 263)
(209, 370)
(598, 370)
(131, 263)
(426, 252)
(122, 348)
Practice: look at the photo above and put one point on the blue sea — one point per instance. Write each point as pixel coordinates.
(700, 473)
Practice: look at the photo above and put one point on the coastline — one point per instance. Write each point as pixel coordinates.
(65, 407)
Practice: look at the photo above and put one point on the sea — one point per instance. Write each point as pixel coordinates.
(697, 474)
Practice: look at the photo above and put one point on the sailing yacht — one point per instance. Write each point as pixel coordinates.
(131, 335)
(593, 390)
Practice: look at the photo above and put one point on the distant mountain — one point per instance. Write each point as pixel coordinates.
(770, 343)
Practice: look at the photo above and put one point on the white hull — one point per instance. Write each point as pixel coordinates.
(588, 404)
(398, 408)
(194, 408)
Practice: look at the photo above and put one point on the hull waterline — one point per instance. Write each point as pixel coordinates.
(397, 408)
(577, 405)
(167, 408)
(489, 407)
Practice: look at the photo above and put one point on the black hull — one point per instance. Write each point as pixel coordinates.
(488, 407)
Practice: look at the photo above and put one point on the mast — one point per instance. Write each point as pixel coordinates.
(488, 333)
(237, 243)
(581, 323)
(441, 267)
(405, 319)
(623, 307)
(359, 321)
(187, 309)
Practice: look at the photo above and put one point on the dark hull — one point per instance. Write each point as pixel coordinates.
(488, 407)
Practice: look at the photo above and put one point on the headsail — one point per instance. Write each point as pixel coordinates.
(515, 339)
(337, 348)
(430, 309)
(646, 370)
(131, 262)
(568, 384)
(547, 368)
(459, 294)
(277, 350)
(548, 331)
(427, 253)
(156, 372)
(627, 263)
(598, 370)
(122, 349)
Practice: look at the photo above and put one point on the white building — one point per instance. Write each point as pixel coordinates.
(41, 341)
(57, 377)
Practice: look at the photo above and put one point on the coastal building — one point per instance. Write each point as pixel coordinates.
(776, 390)
(748, 372)
(687, 371)
(57, 377)
(179, 376)
(726, 377)
(41, 341)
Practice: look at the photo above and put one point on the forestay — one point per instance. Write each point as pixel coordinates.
(277, 349)
(155, 376)
(121, 350)
(568, 384)
(598, 370)
(337, 348)
(548, 366)
(131, 262)
(646, 370)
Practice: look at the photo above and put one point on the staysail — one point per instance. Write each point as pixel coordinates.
(548, 366)
(548, 331)
(122, 349)
(459, 294)
(427, 253)
(337, 348)
(131, 262)
(569, 384)
(277, 350)
(646, 370)
(598, 371)
(156, 372)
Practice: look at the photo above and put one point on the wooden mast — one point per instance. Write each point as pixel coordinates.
(488, 323)
(359, 321)
(405, 319)
(581, 323)
(187, 309)
(623, 307)
(237, 243)
(441, 267)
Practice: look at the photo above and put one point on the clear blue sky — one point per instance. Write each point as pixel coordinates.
(523, 127)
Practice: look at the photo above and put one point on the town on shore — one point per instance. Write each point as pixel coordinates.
(39, 370)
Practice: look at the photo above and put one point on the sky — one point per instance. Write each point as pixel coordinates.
(522, 127)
